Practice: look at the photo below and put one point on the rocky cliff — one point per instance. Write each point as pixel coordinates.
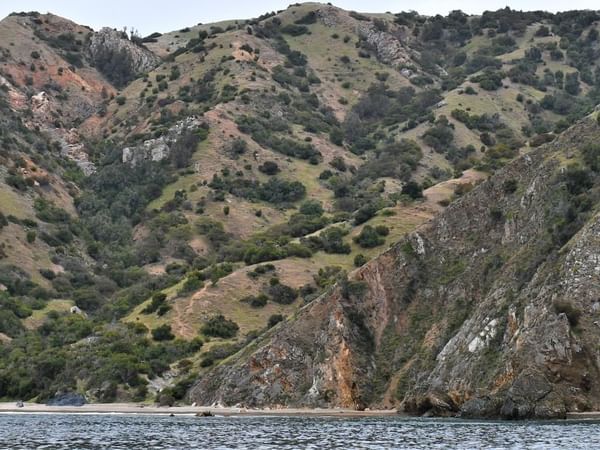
(492, 309)
(388, 43)
(159, 148)
(119, 58)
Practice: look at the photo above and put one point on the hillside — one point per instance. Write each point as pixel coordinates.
(167, 200)
(490, 309)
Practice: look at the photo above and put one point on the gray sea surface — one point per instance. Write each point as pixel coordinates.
(128, 432)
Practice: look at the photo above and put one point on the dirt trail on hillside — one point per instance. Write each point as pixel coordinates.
(445, 189)
(183, 309)
(206, 300)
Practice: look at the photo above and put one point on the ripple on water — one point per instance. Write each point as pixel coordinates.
(130, 432)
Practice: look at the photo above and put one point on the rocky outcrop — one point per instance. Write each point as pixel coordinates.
(159, 148)
(119, 58)
(387, 46)
(490, 310)
(71, 146)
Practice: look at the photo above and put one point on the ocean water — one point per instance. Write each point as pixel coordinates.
(128, 432)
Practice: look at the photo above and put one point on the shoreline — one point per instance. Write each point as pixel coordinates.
(138, 408)
(219, 411)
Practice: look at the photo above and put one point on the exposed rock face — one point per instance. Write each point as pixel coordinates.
(483, 312)
(39, 102)
(159, 148)
(69, 139)
(386, 45)
(388, 48)
(64, 90)
(119, 58)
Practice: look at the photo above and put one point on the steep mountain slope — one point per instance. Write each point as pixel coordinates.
(491, 309)
(49, 86)
(33, 179)
(59, 73)
(320, 70)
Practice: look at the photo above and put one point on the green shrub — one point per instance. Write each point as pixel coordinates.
(359, 16)
(116, 64)
(312, 208)
(336, 136)
(330, 241)
(256, 301)
(382, 230)
(266, 251)
(329, 275)
(175, 73)
(542, 31)
(47, 212)
(496, 215)
(193, 283)
(413, 189)
(591, 155)
(269, 168)
(578, 180)
(219, 326)
(510, 186)
(274, 320)
(556, 55)
(10, 324)
(360, 260)
(440, 136)
(298, 250)
(294, 30)
(237, 147)
(501, 151)
(365, 213)
(572, 312)
(163, 333)
(572, 83)
(309, 18)
(17, 181)
(489, 80)
(261, 270)
(158, 301)
(207, 361)
(352, 289)
(369, 237)
(282, 294)
(162, 310)
(380, 105)
(31, 235)
(88, 298)
(281, 191)
(222, 351)
(302, 224)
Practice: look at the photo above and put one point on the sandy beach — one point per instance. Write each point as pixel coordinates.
(138, 408)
